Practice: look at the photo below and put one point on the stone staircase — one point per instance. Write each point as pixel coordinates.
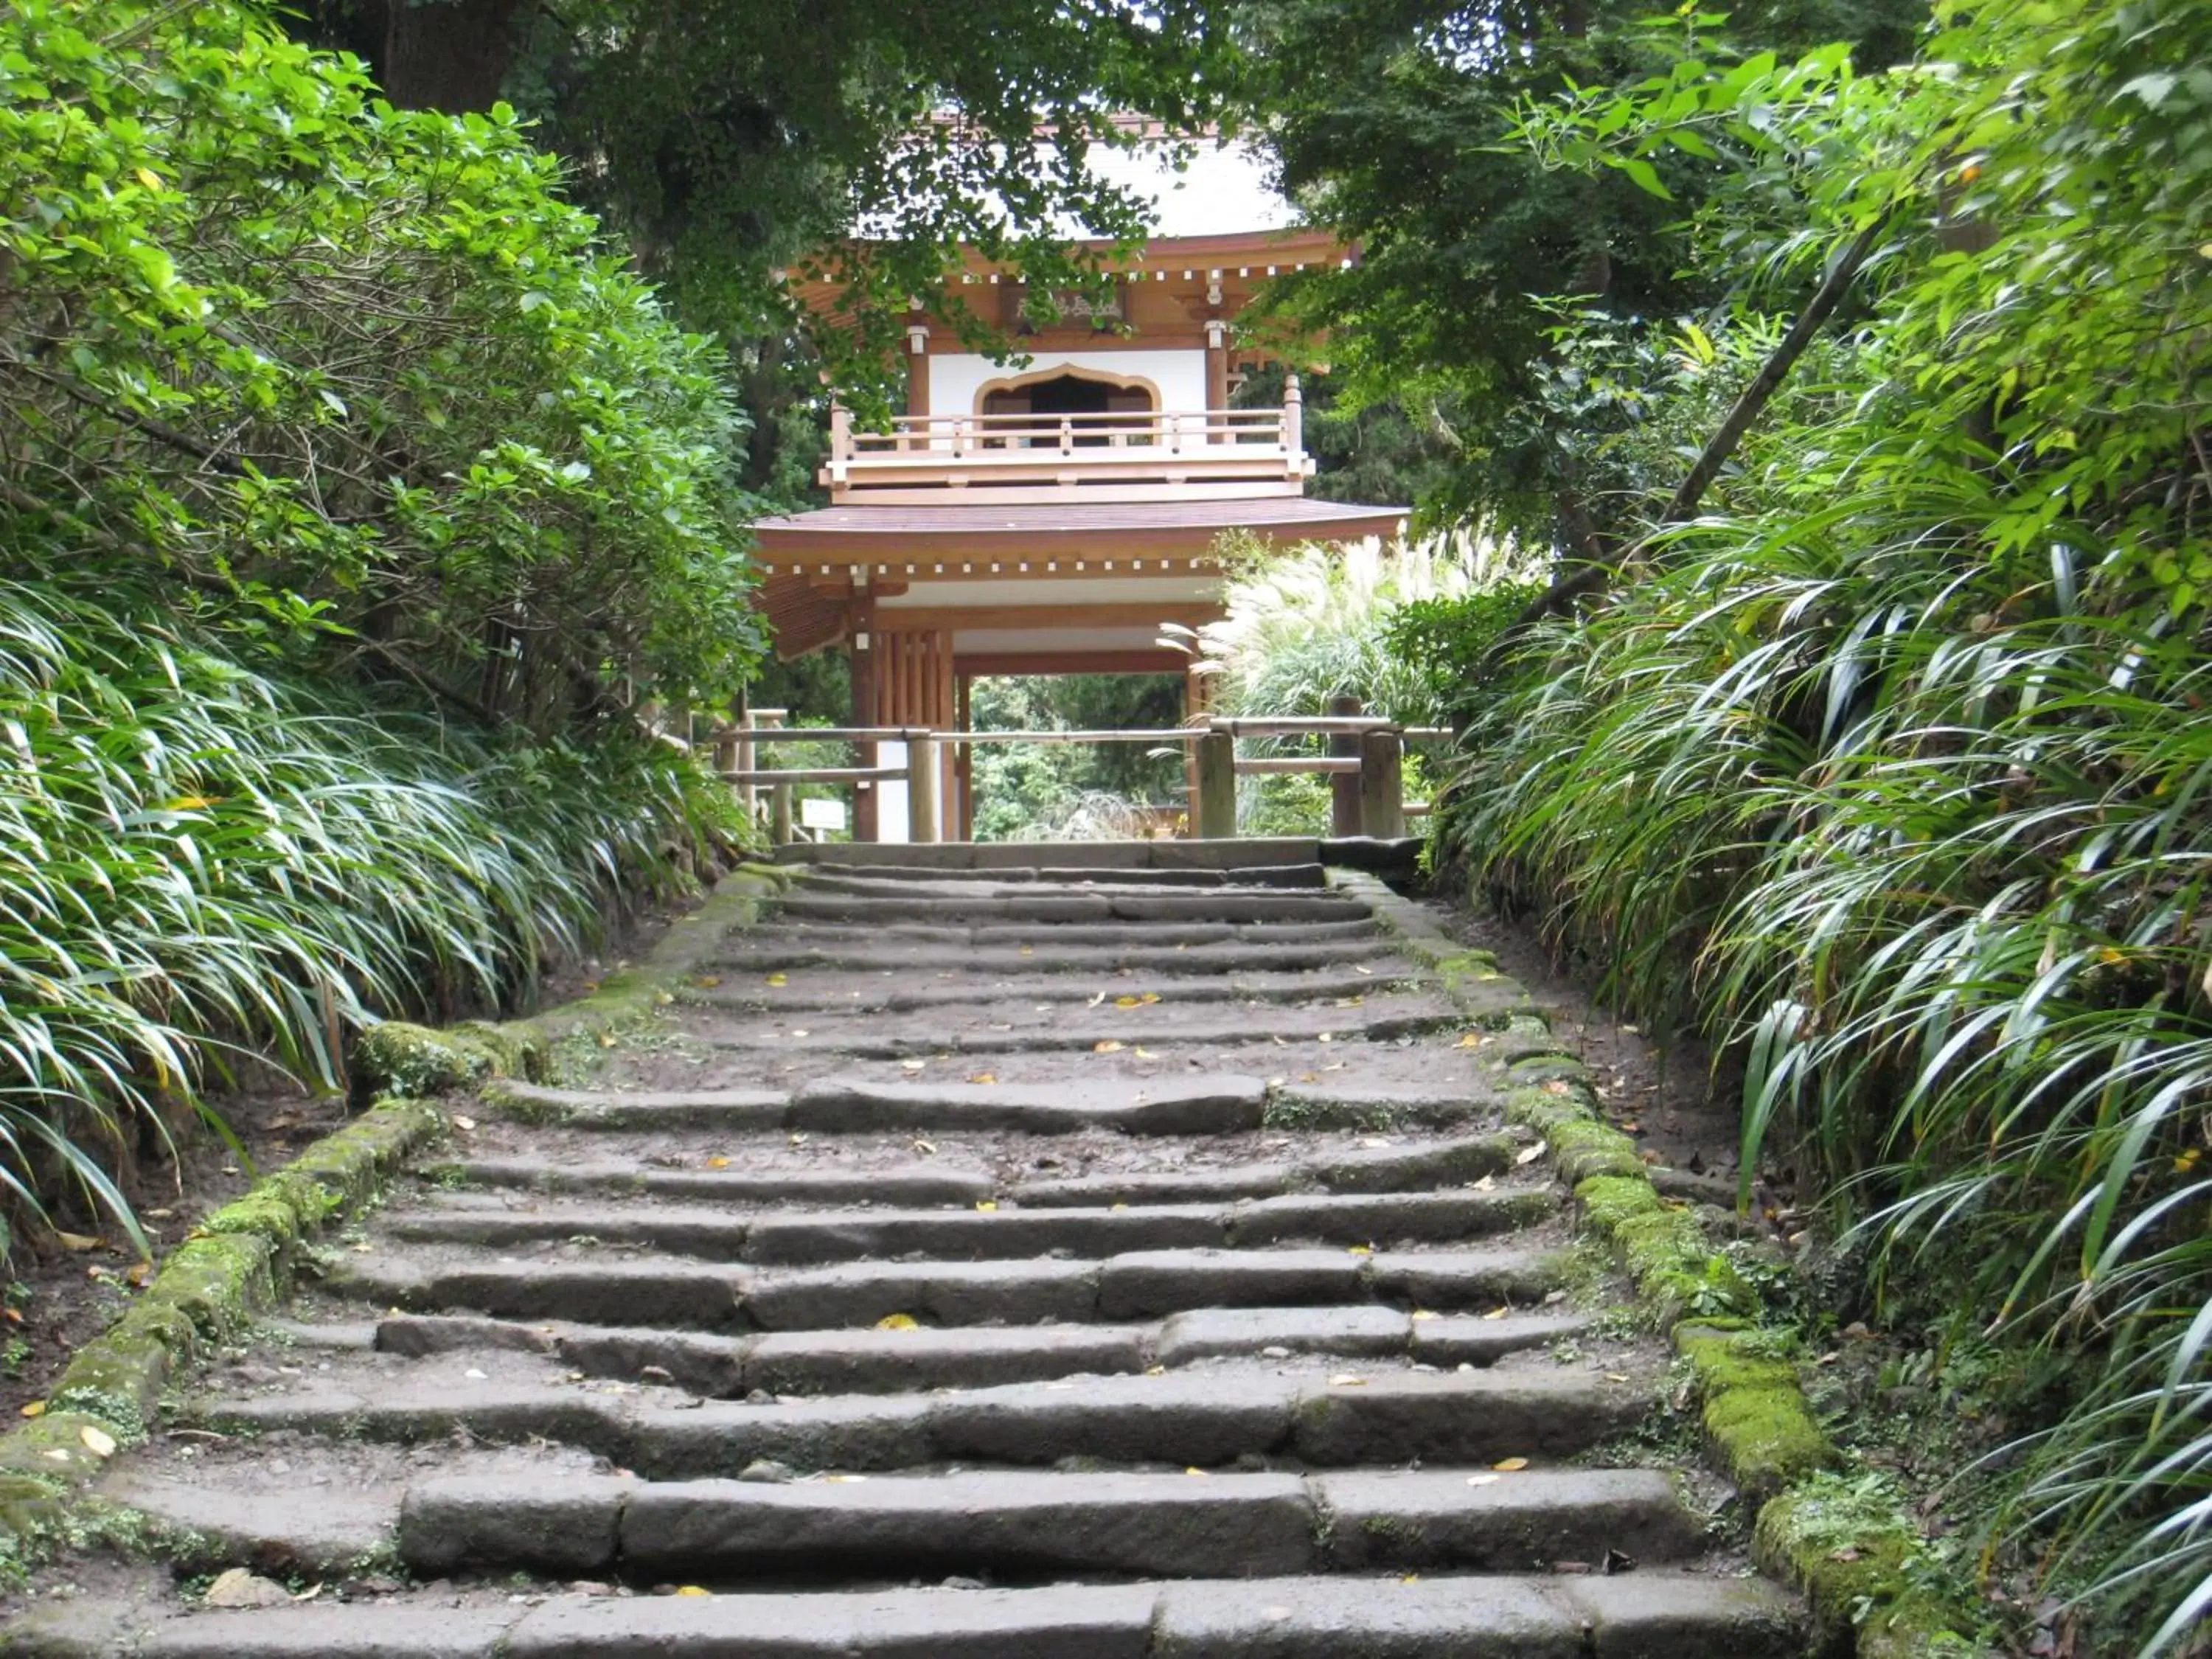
(1101, 1262)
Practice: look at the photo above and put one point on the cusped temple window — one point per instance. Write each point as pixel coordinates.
(1092, 402)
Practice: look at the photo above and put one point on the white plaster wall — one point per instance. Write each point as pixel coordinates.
(956, 377)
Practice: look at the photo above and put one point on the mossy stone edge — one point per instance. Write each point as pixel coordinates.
(1759, 1427)
(242, 1259)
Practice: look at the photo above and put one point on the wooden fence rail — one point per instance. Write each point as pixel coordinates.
(1368, 755)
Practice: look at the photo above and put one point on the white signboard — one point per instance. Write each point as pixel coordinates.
(822, 814)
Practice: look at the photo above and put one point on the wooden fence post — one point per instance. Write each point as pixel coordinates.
(1382, 796)
(1344, 786)
(779, 815)
(1217, 785)
(920, 786)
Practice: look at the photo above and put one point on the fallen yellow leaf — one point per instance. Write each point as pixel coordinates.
(138, 1272)
(692, 1589)
(36, 1408)
(898, 1323)
(709, 982)
(1144, 1053)
(982, 1077)
(79, 1242)
(1497, 1313)
(1510, 1465)
(606, 1039)
(1360, 1249)
(987, 1206)
(1125, 1002)
(97, 1441)
(1194, 1469)
(1423, 1313)
(1108, 1046)
(1029, 949)
(718, 1164)
(773, 979)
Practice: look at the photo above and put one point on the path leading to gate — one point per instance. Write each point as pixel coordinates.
(1112, 1262)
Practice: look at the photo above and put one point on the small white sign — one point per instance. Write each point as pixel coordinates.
(822, 814)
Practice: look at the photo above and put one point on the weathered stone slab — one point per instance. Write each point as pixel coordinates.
(1478, 1419)
(1181, 1419)
(1205, 1105)
(1163, 1525)
(1474, 1519)
(936, 1293)
(1677, 1616)
(1063, 1622)
(1386, 1218)
(1209, 1331)
(1147, 1283)
(1385, 1619)
(870, 1361)
(565, 1525)
(979, 1235)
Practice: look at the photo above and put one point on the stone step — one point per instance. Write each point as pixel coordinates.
(936, 858)
(862, 1105)
(1023, 1524)
(913, 1184)
(1047, 910)
(1208, 1416)
(1634, 1615)
(865, 951)
(1289, 940)
(860, 1037)
(870, 1361)
(1003, 1231)
(590, 1286)
(1386, 1166)
(870, 994)
(893, 878)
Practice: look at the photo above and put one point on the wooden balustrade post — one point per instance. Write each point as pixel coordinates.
(1381, 794)
(1294, 416)
(779, 815)
(1344, 807)
(1216, 804)
(920, 786)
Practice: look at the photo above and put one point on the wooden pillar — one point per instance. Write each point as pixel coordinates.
(963, 716)
(1382, 799)
(864, 699)
(917, 378)
(920, 785)
(1216, 371)
(1344, 786)
(1215, 798)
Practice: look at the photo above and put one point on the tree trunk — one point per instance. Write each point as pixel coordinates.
(448, 55)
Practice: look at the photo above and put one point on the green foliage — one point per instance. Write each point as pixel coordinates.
(352, 370)
(321, 417)
(1894, 773)
(1030, 792)
(197, 855)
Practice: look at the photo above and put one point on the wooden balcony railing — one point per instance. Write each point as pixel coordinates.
(1135, 456)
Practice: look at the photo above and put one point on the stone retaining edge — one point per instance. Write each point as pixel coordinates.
(242, 1259)
(1759, 1427)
